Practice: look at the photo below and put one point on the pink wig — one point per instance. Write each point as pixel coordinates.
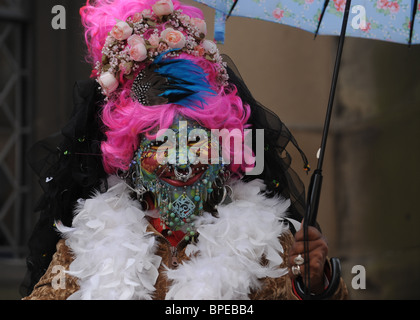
(127, 120)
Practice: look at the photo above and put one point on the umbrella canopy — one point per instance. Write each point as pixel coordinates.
(388, 20)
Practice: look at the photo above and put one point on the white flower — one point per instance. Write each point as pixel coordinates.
(209, 46)
(200, 24)
(163, 8)
(184, 18)
(108, 82)
(121, 31)
(146, 13)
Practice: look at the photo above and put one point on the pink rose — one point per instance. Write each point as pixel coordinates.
(138, 52)
(163, 8)
(367, 27)
(162, 47)
(108, 82)
(121, 31)
(278, 13)
(200, 50)
(125, 67)
(174, 38)
(134, 40)
(340, 5)
(137, 17)
(154, 40)
(394, 7)
(200, 24)
(381, 4)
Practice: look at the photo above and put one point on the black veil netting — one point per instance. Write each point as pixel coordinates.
(69, 167)
(277, 175)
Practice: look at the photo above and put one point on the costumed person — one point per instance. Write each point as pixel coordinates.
(157, 190)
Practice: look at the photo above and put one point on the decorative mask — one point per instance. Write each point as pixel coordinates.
(178, 171)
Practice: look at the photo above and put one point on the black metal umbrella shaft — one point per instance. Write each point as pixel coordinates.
(314, 190)
(317, 175)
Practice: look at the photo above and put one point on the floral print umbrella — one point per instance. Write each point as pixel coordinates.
(388, 20)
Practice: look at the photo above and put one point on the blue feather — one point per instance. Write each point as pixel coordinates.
(188, 85)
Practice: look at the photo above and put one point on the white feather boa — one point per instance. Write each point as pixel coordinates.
(114, 256)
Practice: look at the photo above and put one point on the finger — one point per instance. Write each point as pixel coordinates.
(316, 279)
(316, 261)
(296, 271)
(313, 234)
(316, 271)
(317, 252)
(300, 247)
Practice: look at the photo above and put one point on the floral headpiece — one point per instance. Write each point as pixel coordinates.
(144, 36)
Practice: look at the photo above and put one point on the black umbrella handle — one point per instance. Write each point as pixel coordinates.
(329, 291)
(314, 192)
